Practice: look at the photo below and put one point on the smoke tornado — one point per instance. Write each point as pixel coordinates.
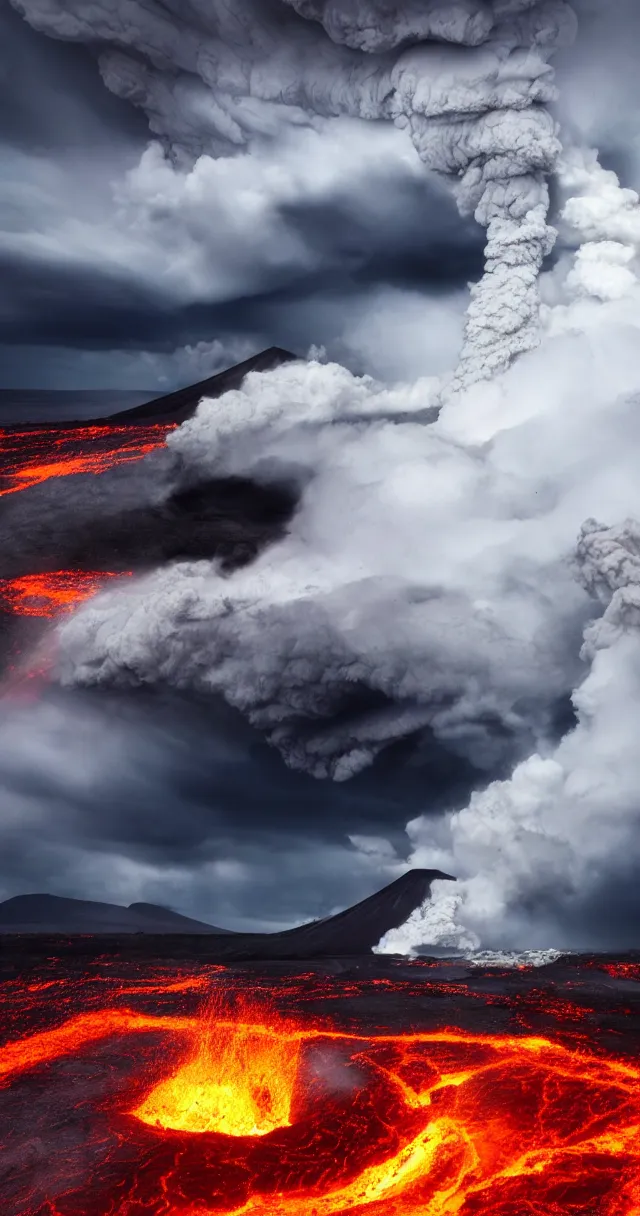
(470, 80)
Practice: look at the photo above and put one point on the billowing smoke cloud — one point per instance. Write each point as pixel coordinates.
(437, 580)
(470, 81)
(540, 848)
(301, 645)
(545, 838)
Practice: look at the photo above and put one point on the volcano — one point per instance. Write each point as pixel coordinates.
(174, 408)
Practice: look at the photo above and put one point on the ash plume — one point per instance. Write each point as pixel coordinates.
(470, 81)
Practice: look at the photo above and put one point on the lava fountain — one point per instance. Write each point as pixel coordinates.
(239, 1081)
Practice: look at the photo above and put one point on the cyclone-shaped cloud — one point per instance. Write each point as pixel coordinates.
(469, 79)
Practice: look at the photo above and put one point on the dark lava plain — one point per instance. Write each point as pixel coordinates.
(59, 1152)
(45, 979)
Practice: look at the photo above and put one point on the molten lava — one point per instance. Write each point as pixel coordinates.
(260, 1117)
(51, 595)
(30, 457)
(239, 1081)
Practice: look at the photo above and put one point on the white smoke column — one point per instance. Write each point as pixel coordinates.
(560, 819)
(561, 816)
(469, 79)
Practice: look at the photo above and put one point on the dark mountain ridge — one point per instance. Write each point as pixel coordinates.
(355, 931)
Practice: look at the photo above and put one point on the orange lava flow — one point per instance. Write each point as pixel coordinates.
(253, 1122)
(30, 457)
(54, 594)
(46, 1045)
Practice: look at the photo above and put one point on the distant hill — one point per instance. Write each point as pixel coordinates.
(55, 914)
(355, 931)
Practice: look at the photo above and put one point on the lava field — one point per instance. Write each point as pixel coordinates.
(34, 455)
(132, 1085)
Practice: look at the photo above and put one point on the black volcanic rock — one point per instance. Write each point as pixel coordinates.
(99, 524)
(355, 931)
(178, 406)
(229, 519)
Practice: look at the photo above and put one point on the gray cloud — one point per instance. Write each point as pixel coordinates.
(138, 798)
(86, 259)
(52, 97)
(300, 278)
(217, 80)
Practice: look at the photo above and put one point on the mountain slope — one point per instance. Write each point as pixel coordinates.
(55, 914)
(177, 406)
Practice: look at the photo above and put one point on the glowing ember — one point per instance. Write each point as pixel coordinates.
(28, 458)
(51, 595)
(239, 1081)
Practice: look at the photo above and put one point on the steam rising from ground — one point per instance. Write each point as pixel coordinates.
(463, 574)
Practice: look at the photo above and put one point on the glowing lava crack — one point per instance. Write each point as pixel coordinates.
(269, 1118)
(31, 457)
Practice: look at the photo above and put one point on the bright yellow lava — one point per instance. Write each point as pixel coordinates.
(239, 1081)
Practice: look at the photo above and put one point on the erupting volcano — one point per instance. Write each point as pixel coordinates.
(224, 1104)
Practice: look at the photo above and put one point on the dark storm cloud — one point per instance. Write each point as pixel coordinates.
(157, 797)
(87, 306)
(392, 229)
(69, 279)
(93, 307)
(52, 96)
